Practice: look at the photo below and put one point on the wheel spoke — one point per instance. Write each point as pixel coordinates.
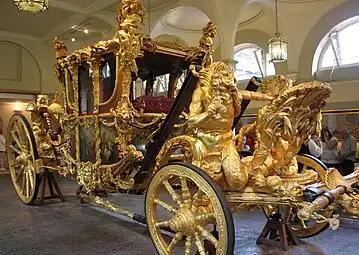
(206, 218)
(163, 224)
(175, 240)
(166, 206)
(16, 139)
(18, 176)
(31, 179)
(15, 149)
(206, 234)
(27, 183)
(171, 191)
(199, 244)
(23, 182)
(199, 199)
(17, 129)
(186, 195)
(188, 246)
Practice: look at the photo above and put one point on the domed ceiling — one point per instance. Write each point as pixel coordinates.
(178, 19)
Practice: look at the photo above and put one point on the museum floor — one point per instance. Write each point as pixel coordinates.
(72, 228)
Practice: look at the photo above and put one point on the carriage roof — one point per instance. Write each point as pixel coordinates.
(156, 55)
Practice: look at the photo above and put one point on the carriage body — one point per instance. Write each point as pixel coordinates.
(99, 126)
(108, 128)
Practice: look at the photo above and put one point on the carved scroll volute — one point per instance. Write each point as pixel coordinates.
(203, 54)
(61, 52)
(206, 43)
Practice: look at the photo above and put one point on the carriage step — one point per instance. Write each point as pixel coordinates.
(277, 233)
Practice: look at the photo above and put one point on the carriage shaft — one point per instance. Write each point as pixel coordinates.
(99, 202)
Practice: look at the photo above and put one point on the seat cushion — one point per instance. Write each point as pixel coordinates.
(151, 104)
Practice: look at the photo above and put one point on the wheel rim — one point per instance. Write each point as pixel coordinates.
(304, 229)
(193, 211)
(22, 155)
(312, 227)
(300, 228)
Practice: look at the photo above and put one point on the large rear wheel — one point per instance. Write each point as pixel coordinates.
(197, 213)
(312, 227)
(22, 157)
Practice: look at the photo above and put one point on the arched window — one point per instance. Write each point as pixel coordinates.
(252, 61)
(340, 47)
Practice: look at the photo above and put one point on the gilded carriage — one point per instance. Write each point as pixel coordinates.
(107, 130)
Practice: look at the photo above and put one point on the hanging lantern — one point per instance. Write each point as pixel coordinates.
(278, 45)
(33, 6)
(278, 49)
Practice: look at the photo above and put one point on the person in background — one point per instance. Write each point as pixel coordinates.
(336, 134)
(313, 147)
(330, 149)
(2, 150)
(250, 142)
(347, 154)
(245, 146)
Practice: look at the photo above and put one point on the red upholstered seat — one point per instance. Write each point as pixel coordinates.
(151, 104)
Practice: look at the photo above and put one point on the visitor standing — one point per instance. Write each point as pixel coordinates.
(2, 150)
(347, 154)
(312, 147)
(330, 150)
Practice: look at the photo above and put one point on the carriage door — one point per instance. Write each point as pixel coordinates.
(87, 133)
(108, 98)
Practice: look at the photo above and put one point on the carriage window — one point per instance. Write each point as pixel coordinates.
(108, 77)
(139, 88)
(160, 87)
(179, 83)
(106, 72)
(86, 103)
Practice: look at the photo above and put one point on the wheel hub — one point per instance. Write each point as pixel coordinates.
(22, 159)
(184, 222)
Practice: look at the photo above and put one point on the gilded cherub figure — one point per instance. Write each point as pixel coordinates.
(215, 104)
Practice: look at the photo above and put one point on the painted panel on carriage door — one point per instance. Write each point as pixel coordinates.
(87, 143)
(109, 150)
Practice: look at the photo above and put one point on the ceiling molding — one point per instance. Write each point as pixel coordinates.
(80, 16)
(162, 5)
(252, 19)
(155, 8)
(67, 7)
(9, 35)
(163, 22)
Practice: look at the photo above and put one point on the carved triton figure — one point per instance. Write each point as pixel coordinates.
(215, 103)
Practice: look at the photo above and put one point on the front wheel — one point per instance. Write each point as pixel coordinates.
(22, 156)
(197, 213)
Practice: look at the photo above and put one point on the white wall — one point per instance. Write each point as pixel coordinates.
(26, 65)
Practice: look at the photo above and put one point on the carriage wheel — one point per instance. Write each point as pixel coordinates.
(305, 229)
(198, 214)
(22, 155)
